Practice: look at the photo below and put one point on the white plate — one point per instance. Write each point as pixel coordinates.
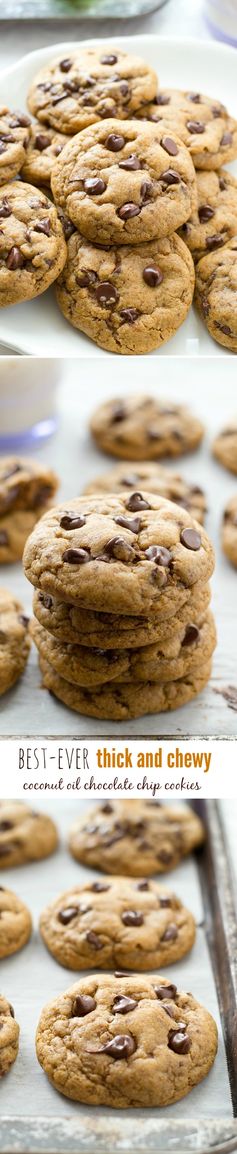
(38, 325)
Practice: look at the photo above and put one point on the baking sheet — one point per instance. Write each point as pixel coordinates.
(33, 977)
(27, 710)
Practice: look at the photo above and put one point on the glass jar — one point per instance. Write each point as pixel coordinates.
(222, 19)
(28, 401)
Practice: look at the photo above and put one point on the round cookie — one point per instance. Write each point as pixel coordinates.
(202, 123)
(125, 1041)
(92, 84)
(155, 479)
(109, 630)
(26, 489)
(224, 447)
(15, 923)
(132, 836)
(14, 640)
(25, 835)
(216, 294)
(9, 1036)
(95, 552)
(229, 531)
(121, 702)
(125, 182)
(43, 148)
(215, 220)
(14, 136)
(167, 660)
(117, 924)
(140, 427)
(32, 245)
(129, 300)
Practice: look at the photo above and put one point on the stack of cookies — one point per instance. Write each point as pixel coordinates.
(122, 619)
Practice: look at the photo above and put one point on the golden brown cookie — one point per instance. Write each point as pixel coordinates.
(141, 427)
(89, 85)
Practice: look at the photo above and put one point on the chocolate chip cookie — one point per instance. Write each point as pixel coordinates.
(155, 479)
(229, 531)
(216, 294)
(43, 148)
(202, 123)
(121, 702)
(14, 136)
(225, 447)
(26, 491)
(118, 923)
(129, 300)
(125, 183)
(109, 630)
(32, 245)
(14, 640)
(169, 659)
(9, 1036)
(92, 84)
(138, 554)
(25, 835)
(131, 837)
(15, 923)
(215, 220)
(140, 427)
(125, 1041)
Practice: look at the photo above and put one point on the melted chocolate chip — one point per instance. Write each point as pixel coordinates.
(165, 903)
(170, 177)
(71, 521)
(137, 502)
(94, 186)
(76, 556)
(133, 525)
(179, 1043)
(152, 275)
(41, 141)
(144, 885)
(99, 888)
(159, 554)
(43, 226)
(195, 126)
(127, 211)
(170, 934)
(132, 918)
(67, 915)
(213, 242)
(123, 1005)
(121, 1046)
(205, 212)
(23, 619)
(131, 163)
(224, 329)
(191, 539)
(87, 278)
(169, 145)
(120, 549)
(114, 142)
(82, 1006)
(65, 65)
(108, 59)
(165, 992)
(130, 315)
(227, 138)
(122, 974)
(46, 600)
(15, 258)
(106, 294)
(5, 209)
(94, 940)
(192, 633)
(5, 826)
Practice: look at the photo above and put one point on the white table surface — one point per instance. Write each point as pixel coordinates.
(26, 710)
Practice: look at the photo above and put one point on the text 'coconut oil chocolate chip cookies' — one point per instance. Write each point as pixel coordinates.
(91, 84)
(117, 923)
(229, 531)
(155, 479)
(26, 491)
(125, 183)
(14, 640)
(25, 835)
(14, 137)
(202, 123)
(127, 838)
(141, 428)
(216, 294)
(9, 1036)
(15, 923)
(125, 1041)
(32, 245)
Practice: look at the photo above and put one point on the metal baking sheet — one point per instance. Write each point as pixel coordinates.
(77, 9)
(33, 977)
(29, 710)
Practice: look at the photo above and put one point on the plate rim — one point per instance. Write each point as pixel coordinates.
(215, 47)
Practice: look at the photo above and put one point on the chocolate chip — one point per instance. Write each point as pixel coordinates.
(87, 278)
(169, 145)
(194, 96)
(130, 315)
(161, 98)
(123, 1005)
(114, 142)
(179, 1043)
(67, 915)
(191, 539)
(192, 633)
(99, 888)
(118, 414)
(65, 65)
(127, 211)
(144, 885)
(205, 212)
(222, 184)
(82, 1006)
(5, 826)
(195, 126)
(120, 549)
(134, 525)
(94, 940)
(170, 934)
(137, 502)
(152, 275)
(122, 974)
(164, 903)
(5, 209)
(12, 1011)
(76, 556)
(23, 619)
(15, 258)
(146, 189)
(213, 242)
(132, 918)
(131, 163)
(41, 141)
(108, 59)
(94, 186)
(121, 1046)
(159, 554)
(107, 808)
(71, 521)
(106, 294)
(224, 329)
(227, 138)
(21, 121)
(46, 600)
(205, 306)
(43, 226)
(4, 539)
(165, 992)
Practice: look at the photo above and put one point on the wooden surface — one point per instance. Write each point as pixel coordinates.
(28, 709)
